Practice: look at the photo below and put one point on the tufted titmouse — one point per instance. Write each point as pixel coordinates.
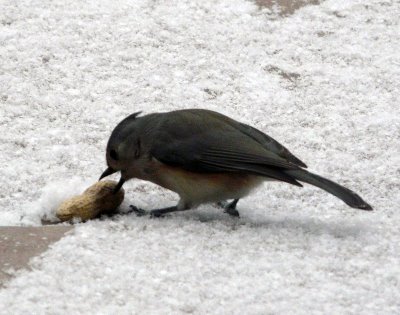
(205, 156)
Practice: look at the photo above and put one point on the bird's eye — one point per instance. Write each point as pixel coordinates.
(114, 155)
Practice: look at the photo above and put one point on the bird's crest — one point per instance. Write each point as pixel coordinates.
(133, 116)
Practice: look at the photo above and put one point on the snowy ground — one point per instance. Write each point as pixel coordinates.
(324, 81)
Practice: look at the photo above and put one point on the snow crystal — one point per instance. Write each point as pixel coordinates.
(324, 81)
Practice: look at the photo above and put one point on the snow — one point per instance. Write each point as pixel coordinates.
(323, 81)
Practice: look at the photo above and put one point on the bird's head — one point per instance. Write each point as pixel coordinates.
(123, 149)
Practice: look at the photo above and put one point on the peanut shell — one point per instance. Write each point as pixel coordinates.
(97, 199)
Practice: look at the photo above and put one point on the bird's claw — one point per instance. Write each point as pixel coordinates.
(138, 211)
(156, 214)
(141, 212)
(229, 208)
(232, 212)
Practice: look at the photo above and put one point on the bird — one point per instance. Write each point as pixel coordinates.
(206, 157)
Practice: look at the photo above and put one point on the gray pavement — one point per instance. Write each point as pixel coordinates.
(19, 244)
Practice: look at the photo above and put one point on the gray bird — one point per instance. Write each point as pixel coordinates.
(204, 157)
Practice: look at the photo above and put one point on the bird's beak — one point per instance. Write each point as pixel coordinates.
(107, 172)
(110, 171)
(119, 185)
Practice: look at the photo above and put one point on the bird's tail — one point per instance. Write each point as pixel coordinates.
(348, 196)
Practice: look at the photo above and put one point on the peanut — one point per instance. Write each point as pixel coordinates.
(97, 199)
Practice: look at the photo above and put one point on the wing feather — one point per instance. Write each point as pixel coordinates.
(230, 151)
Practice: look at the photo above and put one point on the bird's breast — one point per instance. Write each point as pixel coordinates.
(199, 188)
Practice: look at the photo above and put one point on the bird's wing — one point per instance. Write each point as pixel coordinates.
(266, 141)
(217, 149)
(270, 144)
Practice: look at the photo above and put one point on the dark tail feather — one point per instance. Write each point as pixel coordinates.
(348, 196)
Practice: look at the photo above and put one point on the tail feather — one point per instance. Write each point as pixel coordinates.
(347, 195)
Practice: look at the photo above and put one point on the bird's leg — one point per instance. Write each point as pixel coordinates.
(153, 213)
(230, 207)
(139, 211)
(156, 213)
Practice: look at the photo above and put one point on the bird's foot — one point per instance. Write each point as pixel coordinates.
(138, 211)
(232, 212)
(158, 213)
(229, 208)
